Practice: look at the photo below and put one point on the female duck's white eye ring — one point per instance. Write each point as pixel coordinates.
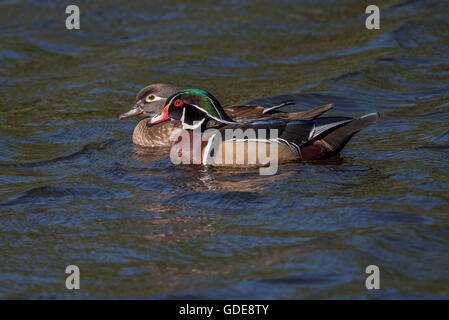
(150, 98)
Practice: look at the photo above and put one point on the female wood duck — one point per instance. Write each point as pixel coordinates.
(151, 100)
(295, 139)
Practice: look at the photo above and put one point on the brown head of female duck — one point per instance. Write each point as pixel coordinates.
(149, 102)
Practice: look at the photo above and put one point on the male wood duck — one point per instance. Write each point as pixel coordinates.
(151, 100)
(297, 139)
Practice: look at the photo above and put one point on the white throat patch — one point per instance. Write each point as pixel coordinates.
(196, 124)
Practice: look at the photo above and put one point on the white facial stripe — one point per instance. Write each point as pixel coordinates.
(183, 115)
(196, 124)
(211, 116)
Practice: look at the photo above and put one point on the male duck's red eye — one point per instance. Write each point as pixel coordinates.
(178, 103)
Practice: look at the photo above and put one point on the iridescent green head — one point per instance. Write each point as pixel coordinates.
(195, 108)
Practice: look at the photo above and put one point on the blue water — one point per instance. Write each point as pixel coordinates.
(75, 190)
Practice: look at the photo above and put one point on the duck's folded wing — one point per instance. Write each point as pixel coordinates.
(239, 111)
(310, 114)
(294, 133)
(336, 139)
(304, 139)
(328, 136)
(251, 110)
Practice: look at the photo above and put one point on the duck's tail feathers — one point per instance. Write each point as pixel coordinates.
(337, 139)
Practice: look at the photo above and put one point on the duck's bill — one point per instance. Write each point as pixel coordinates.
(159, 118)
(135, 111)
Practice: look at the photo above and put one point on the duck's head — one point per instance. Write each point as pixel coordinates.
(195, 108)
(150, 100)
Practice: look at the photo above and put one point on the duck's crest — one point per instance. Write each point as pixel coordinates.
(204, 101)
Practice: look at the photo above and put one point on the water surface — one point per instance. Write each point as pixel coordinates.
(75, 190)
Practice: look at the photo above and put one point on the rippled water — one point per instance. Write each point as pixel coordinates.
(75, 190)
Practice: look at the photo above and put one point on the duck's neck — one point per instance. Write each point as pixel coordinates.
(141, 134)
(158, 135)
